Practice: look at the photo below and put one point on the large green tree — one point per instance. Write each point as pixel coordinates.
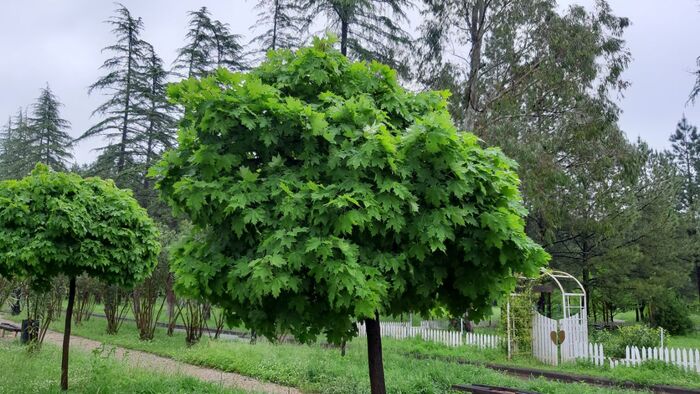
(125, 83)
(158, 128)
(537, 80)
(322, 193)
(685, 151)
(54, 223)
(49, 135)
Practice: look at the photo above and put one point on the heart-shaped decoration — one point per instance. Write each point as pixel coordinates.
(557, 337)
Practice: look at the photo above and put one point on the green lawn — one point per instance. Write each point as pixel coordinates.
(691, 340)
(89, 373)
(315, 368)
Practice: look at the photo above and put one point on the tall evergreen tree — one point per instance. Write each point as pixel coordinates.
(685, 143)
(286, 23)
(158, 123)
(18, 155)
(210, 44)
(6, 136)
(49, 136)
(125, 81)
(367, 29)
(193, 59)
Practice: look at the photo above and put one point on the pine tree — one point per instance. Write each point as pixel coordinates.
(210, 44)
(6, 136)
(158, 123)
(193, 58)
(48, 132)
(286, 23)
(367, 29)
(685, 143)
(18, 156)
(685, 150)
(227, 50)
(5, 151)
(126, 81)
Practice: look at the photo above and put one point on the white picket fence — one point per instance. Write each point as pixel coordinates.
(595, 354)
(686, 359)
(449, 338)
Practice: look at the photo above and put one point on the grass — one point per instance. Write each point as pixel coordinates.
(317, 369)
(89, 373)
(690, 341)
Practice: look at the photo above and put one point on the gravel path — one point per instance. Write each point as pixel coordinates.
(166, 365)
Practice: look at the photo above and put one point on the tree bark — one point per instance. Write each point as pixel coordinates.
(170, 297)
(344, 37)
(374, 355)
(66, 335)
(697, 277)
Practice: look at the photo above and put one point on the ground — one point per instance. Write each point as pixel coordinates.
(320, 369)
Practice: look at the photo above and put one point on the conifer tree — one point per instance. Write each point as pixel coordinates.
(18, 155)
(49, 137)
(286, 24)
(685, 143)
(6, 136)
(210, 44)
(157, 120)
(125, 80)
(193, 58)
(227, 50)
(367, 29)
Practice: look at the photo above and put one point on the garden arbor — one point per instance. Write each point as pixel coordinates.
(54, 223)
(557, 334)
(322, 193)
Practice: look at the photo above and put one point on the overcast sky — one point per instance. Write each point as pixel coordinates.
(59, 42)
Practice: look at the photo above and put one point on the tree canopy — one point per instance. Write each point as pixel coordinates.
(322, 192)
(54, 223)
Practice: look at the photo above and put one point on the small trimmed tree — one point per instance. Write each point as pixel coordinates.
(54, 223)
(322, 193)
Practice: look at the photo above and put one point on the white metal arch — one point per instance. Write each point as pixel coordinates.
(567, 307)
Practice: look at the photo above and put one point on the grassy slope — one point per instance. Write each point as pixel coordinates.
(314, 368)
(40, 373)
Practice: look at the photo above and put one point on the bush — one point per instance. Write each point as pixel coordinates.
(673, 315)
(614, 342)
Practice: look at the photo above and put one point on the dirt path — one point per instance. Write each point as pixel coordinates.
(164, 365)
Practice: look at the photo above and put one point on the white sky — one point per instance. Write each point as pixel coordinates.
(59, 42)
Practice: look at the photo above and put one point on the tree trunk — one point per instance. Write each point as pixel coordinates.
(66, 335)
(476, 35)
(274, 24)
(697, 277)
(344, 37)
(374, 355)
(170, 297)
(127, 97)
(586, 283)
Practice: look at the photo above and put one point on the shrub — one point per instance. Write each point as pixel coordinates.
(614, 342)
(673, 315)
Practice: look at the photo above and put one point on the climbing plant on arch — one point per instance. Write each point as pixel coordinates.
(54, 223)
(322, 193)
